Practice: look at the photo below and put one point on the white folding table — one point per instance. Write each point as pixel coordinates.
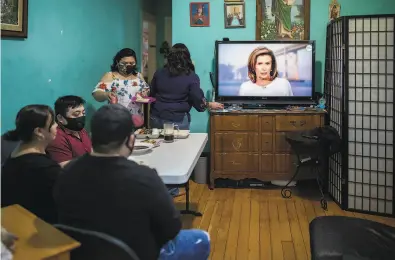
(175, 162)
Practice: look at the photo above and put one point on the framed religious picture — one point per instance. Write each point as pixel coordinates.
(13, 18)
(199, 13)
(282, 19)
(234, 14)
(334, 10)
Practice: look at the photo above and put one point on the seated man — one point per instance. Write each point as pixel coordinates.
(72, 140)
(105, 192)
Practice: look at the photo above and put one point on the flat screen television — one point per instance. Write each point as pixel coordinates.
(265, 70)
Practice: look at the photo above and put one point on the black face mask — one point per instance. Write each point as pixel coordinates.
(75, 124)
(131, 70)
(127, 69)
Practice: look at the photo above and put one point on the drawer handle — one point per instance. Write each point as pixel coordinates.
(302, 123)
(235, 163)
(235, 125)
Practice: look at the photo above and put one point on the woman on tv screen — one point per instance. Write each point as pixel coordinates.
(263, 75)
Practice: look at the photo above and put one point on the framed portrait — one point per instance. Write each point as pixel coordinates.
(234, 15)
(13, 18)
(282, 19)
(199, 13)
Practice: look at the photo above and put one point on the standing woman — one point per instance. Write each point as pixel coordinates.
(123, 83)
(176, 88)
(28, 175)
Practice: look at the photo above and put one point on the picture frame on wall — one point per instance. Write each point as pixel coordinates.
(234, 15)
(14, 18)
(199, 13)
(282, 19)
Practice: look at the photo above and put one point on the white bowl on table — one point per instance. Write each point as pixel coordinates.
(181, 134)
(142, 148)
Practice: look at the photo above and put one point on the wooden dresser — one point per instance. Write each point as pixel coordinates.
(251, 144)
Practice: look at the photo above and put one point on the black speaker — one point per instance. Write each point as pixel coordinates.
(212, 79)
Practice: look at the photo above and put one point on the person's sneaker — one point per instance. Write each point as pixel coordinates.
(175, 192)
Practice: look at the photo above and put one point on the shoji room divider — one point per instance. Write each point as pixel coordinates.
(359, 90)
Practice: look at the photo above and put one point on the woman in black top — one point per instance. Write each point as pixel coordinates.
(176, 88)
(28, 175)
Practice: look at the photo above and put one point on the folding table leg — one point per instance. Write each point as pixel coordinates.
(187, 210)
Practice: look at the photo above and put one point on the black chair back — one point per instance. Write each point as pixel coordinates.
(318, 143)
(97, 245)
(7, 147)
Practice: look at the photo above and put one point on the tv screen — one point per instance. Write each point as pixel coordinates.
(263, 70)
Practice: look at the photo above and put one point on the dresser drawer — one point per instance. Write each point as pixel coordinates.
(266, 123)
(236, 162)
(236, 123)
(267, 142)
(236, 142)
(297, 122)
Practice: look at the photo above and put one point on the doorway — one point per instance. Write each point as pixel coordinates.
(168, 30)
(148, 64)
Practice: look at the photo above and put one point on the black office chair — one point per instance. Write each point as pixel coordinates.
(97, 245)
(348, 238)
(313, 148)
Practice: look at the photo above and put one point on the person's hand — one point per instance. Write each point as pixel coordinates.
(215, 105)
(110, 95)
(8, 239)
(138, 120)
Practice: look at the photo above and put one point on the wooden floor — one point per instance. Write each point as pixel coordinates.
(256, 224)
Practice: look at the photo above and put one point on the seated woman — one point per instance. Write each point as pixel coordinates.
(28, 175)
(123, 83)
(177, 89)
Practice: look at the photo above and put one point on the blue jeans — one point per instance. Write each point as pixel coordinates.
(191, 244)
(156, 122)
(173, 191)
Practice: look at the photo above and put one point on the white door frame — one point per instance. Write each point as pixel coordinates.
(152, 44)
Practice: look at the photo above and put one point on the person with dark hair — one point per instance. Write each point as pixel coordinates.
(263, 75)
(138, 209)
(72, 140)
(176, 88)
(124, 85)
(28, 175)
(183, 48)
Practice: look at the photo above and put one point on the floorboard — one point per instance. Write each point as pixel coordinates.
(258, 224)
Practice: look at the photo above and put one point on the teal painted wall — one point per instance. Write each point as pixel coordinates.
(70, 45)
(201, 41)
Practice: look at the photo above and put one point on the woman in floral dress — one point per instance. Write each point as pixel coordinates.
(123, 82)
